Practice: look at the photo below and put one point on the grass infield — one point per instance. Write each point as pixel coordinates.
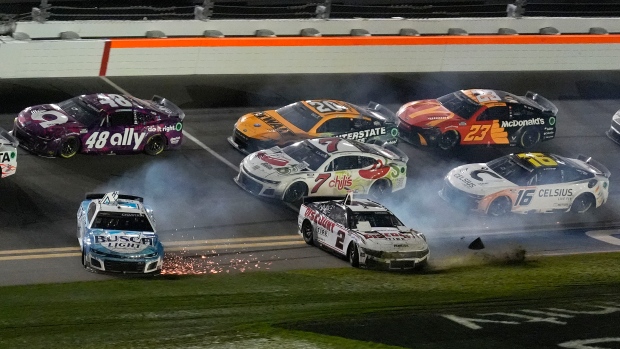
(247, 310)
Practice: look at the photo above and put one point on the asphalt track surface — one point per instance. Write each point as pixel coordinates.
(209, 225)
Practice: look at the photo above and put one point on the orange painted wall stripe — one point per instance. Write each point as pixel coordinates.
(366, 41)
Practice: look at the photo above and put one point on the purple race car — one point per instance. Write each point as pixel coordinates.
(100, 123)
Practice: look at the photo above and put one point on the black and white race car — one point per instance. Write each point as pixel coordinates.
(364, 231)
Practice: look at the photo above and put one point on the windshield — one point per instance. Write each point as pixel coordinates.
(510, 169)
(308, 153)
(376, 219)
(122, 221)
(459, 104)
(83, 112)
(299, 115)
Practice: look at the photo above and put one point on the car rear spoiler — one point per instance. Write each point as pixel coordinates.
(383, 110)
(94, 196)
(166, 103)
(542, 102)
(600, 168)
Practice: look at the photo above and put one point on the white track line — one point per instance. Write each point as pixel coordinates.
(185, 133)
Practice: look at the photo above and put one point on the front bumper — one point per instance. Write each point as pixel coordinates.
(419, 136)
(614, 132)
(109, 264)
(395, 260)
(247, 145)
(33, 143)
(258, 186)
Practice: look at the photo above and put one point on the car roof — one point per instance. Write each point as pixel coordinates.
(351, 109)
(505, 97)
(111, 202)
(136, 103)
(365, 205)
(530, 160)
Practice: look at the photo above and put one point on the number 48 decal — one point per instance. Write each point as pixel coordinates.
(524, 197)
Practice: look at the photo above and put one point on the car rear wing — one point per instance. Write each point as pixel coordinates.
(166, 103)
(381, 109)
(542, 102)
(95, 196)
(600, 168)
(12, 140)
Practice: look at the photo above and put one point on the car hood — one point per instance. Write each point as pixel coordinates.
(391, 239)
(478, 179)
(45, 119)
(123, 242)
(427, 113)
(267, 125)
(272, 164)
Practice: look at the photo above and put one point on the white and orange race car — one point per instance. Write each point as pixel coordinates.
(478, 117)
(528, 182)
(323, 167)
(311, 119)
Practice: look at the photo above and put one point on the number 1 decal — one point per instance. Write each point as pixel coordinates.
(320, 179)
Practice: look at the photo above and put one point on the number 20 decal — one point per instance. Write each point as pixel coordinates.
(477, 133)
(327, 106)
(524, 197)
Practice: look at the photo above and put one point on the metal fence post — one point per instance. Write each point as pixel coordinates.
(41, 14)
(323, 10)
(205, 11)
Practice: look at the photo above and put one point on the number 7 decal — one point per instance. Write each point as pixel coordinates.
(320, 179)
(332, 143)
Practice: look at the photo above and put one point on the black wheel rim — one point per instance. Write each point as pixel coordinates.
(582, 204)
(499, 207)
(156, 146)
(294, 193)
(448, 140)
(378, 189)
(307, 232)
(530, 138)
(69, 147)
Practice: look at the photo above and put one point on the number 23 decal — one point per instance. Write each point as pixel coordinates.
(477, 133)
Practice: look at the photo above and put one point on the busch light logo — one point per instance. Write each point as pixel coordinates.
(519, 123)
(124, 243)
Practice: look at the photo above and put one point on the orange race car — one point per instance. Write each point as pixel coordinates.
(311, 119)
(470, 117)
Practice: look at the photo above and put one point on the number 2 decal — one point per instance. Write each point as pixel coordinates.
(477, 133)
(320, 179)
(340, 240)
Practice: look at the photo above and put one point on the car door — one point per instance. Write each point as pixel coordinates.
(341, 171)
(337, 232)
(545, 191)
(487, 127)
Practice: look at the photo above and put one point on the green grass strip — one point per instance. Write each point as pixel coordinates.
(240, 310)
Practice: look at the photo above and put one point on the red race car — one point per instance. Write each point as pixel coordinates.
(470, 117)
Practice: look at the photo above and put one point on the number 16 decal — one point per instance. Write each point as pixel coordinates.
(524, 197)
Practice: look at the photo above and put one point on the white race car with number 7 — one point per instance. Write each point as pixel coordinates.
(528, 182)
(323, 167)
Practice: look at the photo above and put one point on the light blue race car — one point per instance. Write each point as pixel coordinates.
(117, 234)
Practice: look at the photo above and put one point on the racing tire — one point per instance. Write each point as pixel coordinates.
(155, 145)
(529, 138)
(308, 232)
(69, 147)
(582, 203)
(380, 188)
(295, 192)
(353, 255)
(421, 266)
(449, 140)
(500, 206)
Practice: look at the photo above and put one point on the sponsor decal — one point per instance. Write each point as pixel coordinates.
(98, 140)
(519, 123)
(274, 123)
(546, 193)
(340, 182)
(167, 128)
(476, 174)
(388, 236)
(552, 120)
(320, 220)
(364, 134)
(124, 243)
(175, 140)
(466, 181)
(272, 160)
(6, 156)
